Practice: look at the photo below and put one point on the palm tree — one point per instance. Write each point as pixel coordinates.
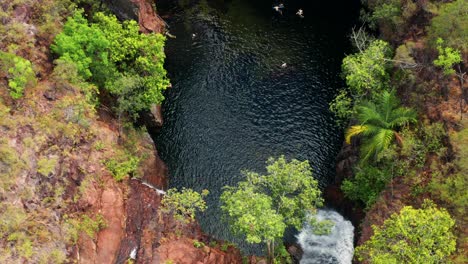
(379, 122)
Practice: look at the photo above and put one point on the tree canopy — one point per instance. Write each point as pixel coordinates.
(413, 236)
(117, 58)
(262, 206)
(365, 72)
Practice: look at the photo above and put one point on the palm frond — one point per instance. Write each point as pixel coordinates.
(374, 145)
(387, 103)
(402, 116)
(371, 130)
(367, 113)
(354, 130)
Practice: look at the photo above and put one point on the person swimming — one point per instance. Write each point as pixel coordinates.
(300, 13)
(278, 8)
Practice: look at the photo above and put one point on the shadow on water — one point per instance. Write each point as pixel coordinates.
(232, 105)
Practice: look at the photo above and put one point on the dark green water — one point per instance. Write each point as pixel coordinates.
(232, 105)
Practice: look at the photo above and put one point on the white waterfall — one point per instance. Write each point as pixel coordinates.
(334, 248)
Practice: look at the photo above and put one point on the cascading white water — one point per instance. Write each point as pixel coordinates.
(334, 248)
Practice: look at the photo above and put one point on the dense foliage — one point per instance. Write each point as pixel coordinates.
(447, 58)
(117, 58)
(19, 73)
(184, 204)
(451, 24)
(413, 236)
(262, 206)
(429, 157)
(391, 16)
(366, 71)
(378, 123)
(367, 183)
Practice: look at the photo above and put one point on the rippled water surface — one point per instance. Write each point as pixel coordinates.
(232, 105)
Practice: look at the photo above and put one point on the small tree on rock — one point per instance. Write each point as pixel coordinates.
(263, 206)
(183, 205)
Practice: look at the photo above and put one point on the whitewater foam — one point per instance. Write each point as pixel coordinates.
(334, 248)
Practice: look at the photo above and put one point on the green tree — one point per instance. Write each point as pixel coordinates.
(82, 44)
(262, 206)
(117, 58)
(366, 72)
(448, 57)
(183, 205)
(252, 214)
(379, 122)
(413, 236)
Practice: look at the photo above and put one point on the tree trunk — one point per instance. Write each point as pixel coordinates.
(269, 259)
(463, 97)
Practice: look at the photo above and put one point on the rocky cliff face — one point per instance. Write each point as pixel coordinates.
(59, 201)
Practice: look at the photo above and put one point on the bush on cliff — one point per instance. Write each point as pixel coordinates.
(19, 73)
(117, 58)
(413, 236)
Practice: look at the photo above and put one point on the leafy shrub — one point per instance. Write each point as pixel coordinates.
(46, 166)
(413, 236)
(448, 57)
(183, 205)
(224, 247)
(198, 244)
(92, 226)
(122, 166)
(213, 244)
(366, 184)
(89, 226)
(433, 135)
(452, 190)
(66, 77)
(342, 107)
(20, 73)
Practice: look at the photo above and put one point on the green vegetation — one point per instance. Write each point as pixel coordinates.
(451, 24)
(198, 244)
(342, 107)
(184, 204)
(84, 224)
(46, 166)
(366, 71)
(412, 236)
(52, 148)
(379, 122)
(262, 206)
(366, 185)
(122, 166)
(118, 59)
(425, 160)
(447, 58)
(19, 73)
